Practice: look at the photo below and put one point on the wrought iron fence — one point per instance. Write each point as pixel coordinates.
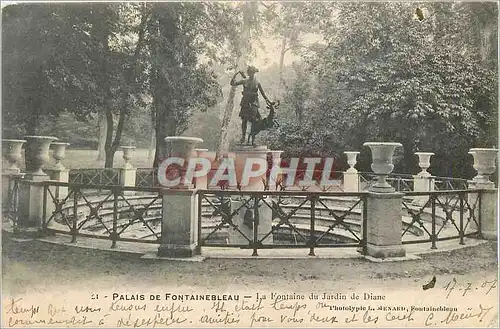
(316, 184)
(450, 184)
(441, 215)
(111, 216)
(308, 217)
(95, 176)
(405, 182)
(298, 219)
(146, 177)
(400, 182)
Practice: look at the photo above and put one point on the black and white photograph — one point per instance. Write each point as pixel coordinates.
(249, 164)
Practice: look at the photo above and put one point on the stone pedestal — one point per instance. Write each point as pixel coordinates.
(244, 220)
(485, 165)
(488, 206)
(30, 210)
(384, 225)
(422, 184)
(242, 153)
(351, 176)
(59, 175)
(127, 178)
(202, 182)
(179, 227)
(489, 214)
(127, 171)
(351, 181)
(273, 182)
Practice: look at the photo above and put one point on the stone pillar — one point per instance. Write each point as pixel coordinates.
(30, 190)
(11, 150)
(276, 162)
(242, 153)
(127, 171)
(202, 182)
(484, 163)
(246, 216)
(351, 176)
(423, 181)
(179, 229)
(489, 214)
(179, 232)
(384, 223)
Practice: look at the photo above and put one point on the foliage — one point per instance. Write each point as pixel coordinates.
(372, 72)
(46, 68)
(384, 75)
(178, 82)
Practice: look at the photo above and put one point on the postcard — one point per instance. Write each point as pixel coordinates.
(249, 164)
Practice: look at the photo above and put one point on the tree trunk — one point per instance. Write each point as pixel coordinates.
(165, 126)
(152, 145)
(112, 145)
(486, 43)
(102, 136)
(223, 144)
(108, 146)
(249, 10)
(280, 67)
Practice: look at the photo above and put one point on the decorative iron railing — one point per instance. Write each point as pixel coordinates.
(441, 215)
(280, 183)
(111, 216)
(326, 225)
(299, 219)
(450, 184)
(95, 176)
(404, 182)
(146, 177)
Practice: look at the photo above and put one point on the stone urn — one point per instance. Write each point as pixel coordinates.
(424, 162)
(181, 147)
(351, 160)
(484, 163)
(127, 155)
(37, 154)
(59, 153)
(382, 154)
(11, 149)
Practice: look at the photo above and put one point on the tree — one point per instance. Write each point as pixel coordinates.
(383, 75)
(72, 57)
(46, 69)
(178, 82)
(291, 22)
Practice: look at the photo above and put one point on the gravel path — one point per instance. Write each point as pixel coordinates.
(46, 273)
(34, 264)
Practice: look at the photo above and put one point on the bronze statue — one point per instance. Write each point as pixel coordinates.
(250, 100)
